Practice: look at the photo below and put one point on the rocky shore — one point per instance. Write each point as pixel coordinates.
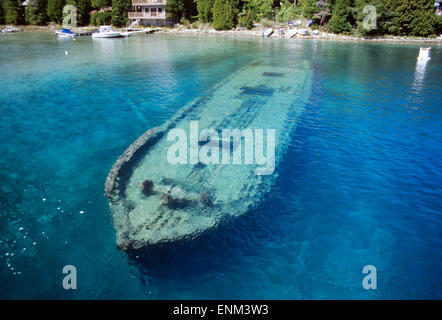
(285, 32)
(277, 32)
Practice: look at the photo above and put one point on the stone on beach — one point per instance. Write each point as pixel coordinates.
(267, 32)
(291, 33)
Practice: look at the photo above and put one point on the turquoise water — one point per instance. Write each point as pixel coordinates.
(360, 183)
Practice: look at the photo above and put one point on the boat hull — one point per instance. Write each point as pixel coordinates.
(64, 35)
(154, 201)
(106, 35)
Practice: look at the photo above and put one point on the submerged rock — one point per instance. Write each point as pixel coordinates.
(206, 199)
(147, 187)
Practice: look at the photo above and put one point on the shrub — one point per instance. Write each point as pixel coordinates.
(225, 14)
(204, 10)
(309, 8)
(195, 25)
(260, 9)
(35, 12)
(94, 18)
(423, 24)
(101, 18)
(287, 12)
(266, 23)
(340, 20)
(185, 22)
(119, 12)
(439, 25)
(12, 12)
(54, 10)
(246, 21)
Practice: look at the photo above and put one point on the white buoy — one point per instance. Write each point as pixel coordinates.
(66, 53)
(424, 54)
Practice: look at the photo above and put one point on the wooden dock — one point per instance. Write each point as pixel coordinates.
(84, 33)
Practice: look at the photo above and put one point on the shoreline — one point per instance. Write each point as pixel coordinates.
(257, 33)
(253, 33)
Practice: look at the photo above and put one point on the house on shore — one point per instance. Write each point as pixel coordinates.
(149, 13)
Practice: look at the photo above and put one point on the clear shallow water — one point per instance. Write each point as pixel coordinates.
(360, 184)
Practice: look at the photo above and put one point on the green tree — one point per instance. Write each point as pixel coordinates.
(175, 8)
(2, 13)
(218, 14)
(35, 12)
(204, 8)
(99, 4)
(246, 20)
(439, 25)
(190, 9)
(119, 12)
(83, 9)
(288, 12)
(259, 9)
(340, 21)
(179, 9)
(415, 17)
(423, 23)
(309, 8)
(225, 13)
(360, 15)
(54, 10)
(101, 18)
(12, 12)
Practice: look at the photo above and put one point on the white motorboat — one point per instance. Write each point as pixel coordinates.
(106, 32)
(424, 54)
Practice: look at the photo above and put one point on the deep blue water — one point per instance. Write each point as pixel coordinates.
(360, 184)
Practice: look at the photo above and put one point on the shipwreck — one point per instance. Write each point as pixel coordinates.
(155, 200)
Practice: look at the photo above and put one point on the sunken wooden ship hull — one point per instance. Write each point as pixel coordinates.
(154, 201)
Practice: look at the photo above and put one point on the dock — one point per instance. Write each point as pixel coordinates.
(84, 33)
(133, 31)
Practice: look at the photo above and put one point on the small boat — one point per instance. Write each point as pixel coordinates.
(106, 32)
(65, 33)
(424, 54)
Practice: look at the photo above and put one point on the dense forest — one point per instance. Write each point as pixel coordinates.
(42, 12)
(395, 17)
